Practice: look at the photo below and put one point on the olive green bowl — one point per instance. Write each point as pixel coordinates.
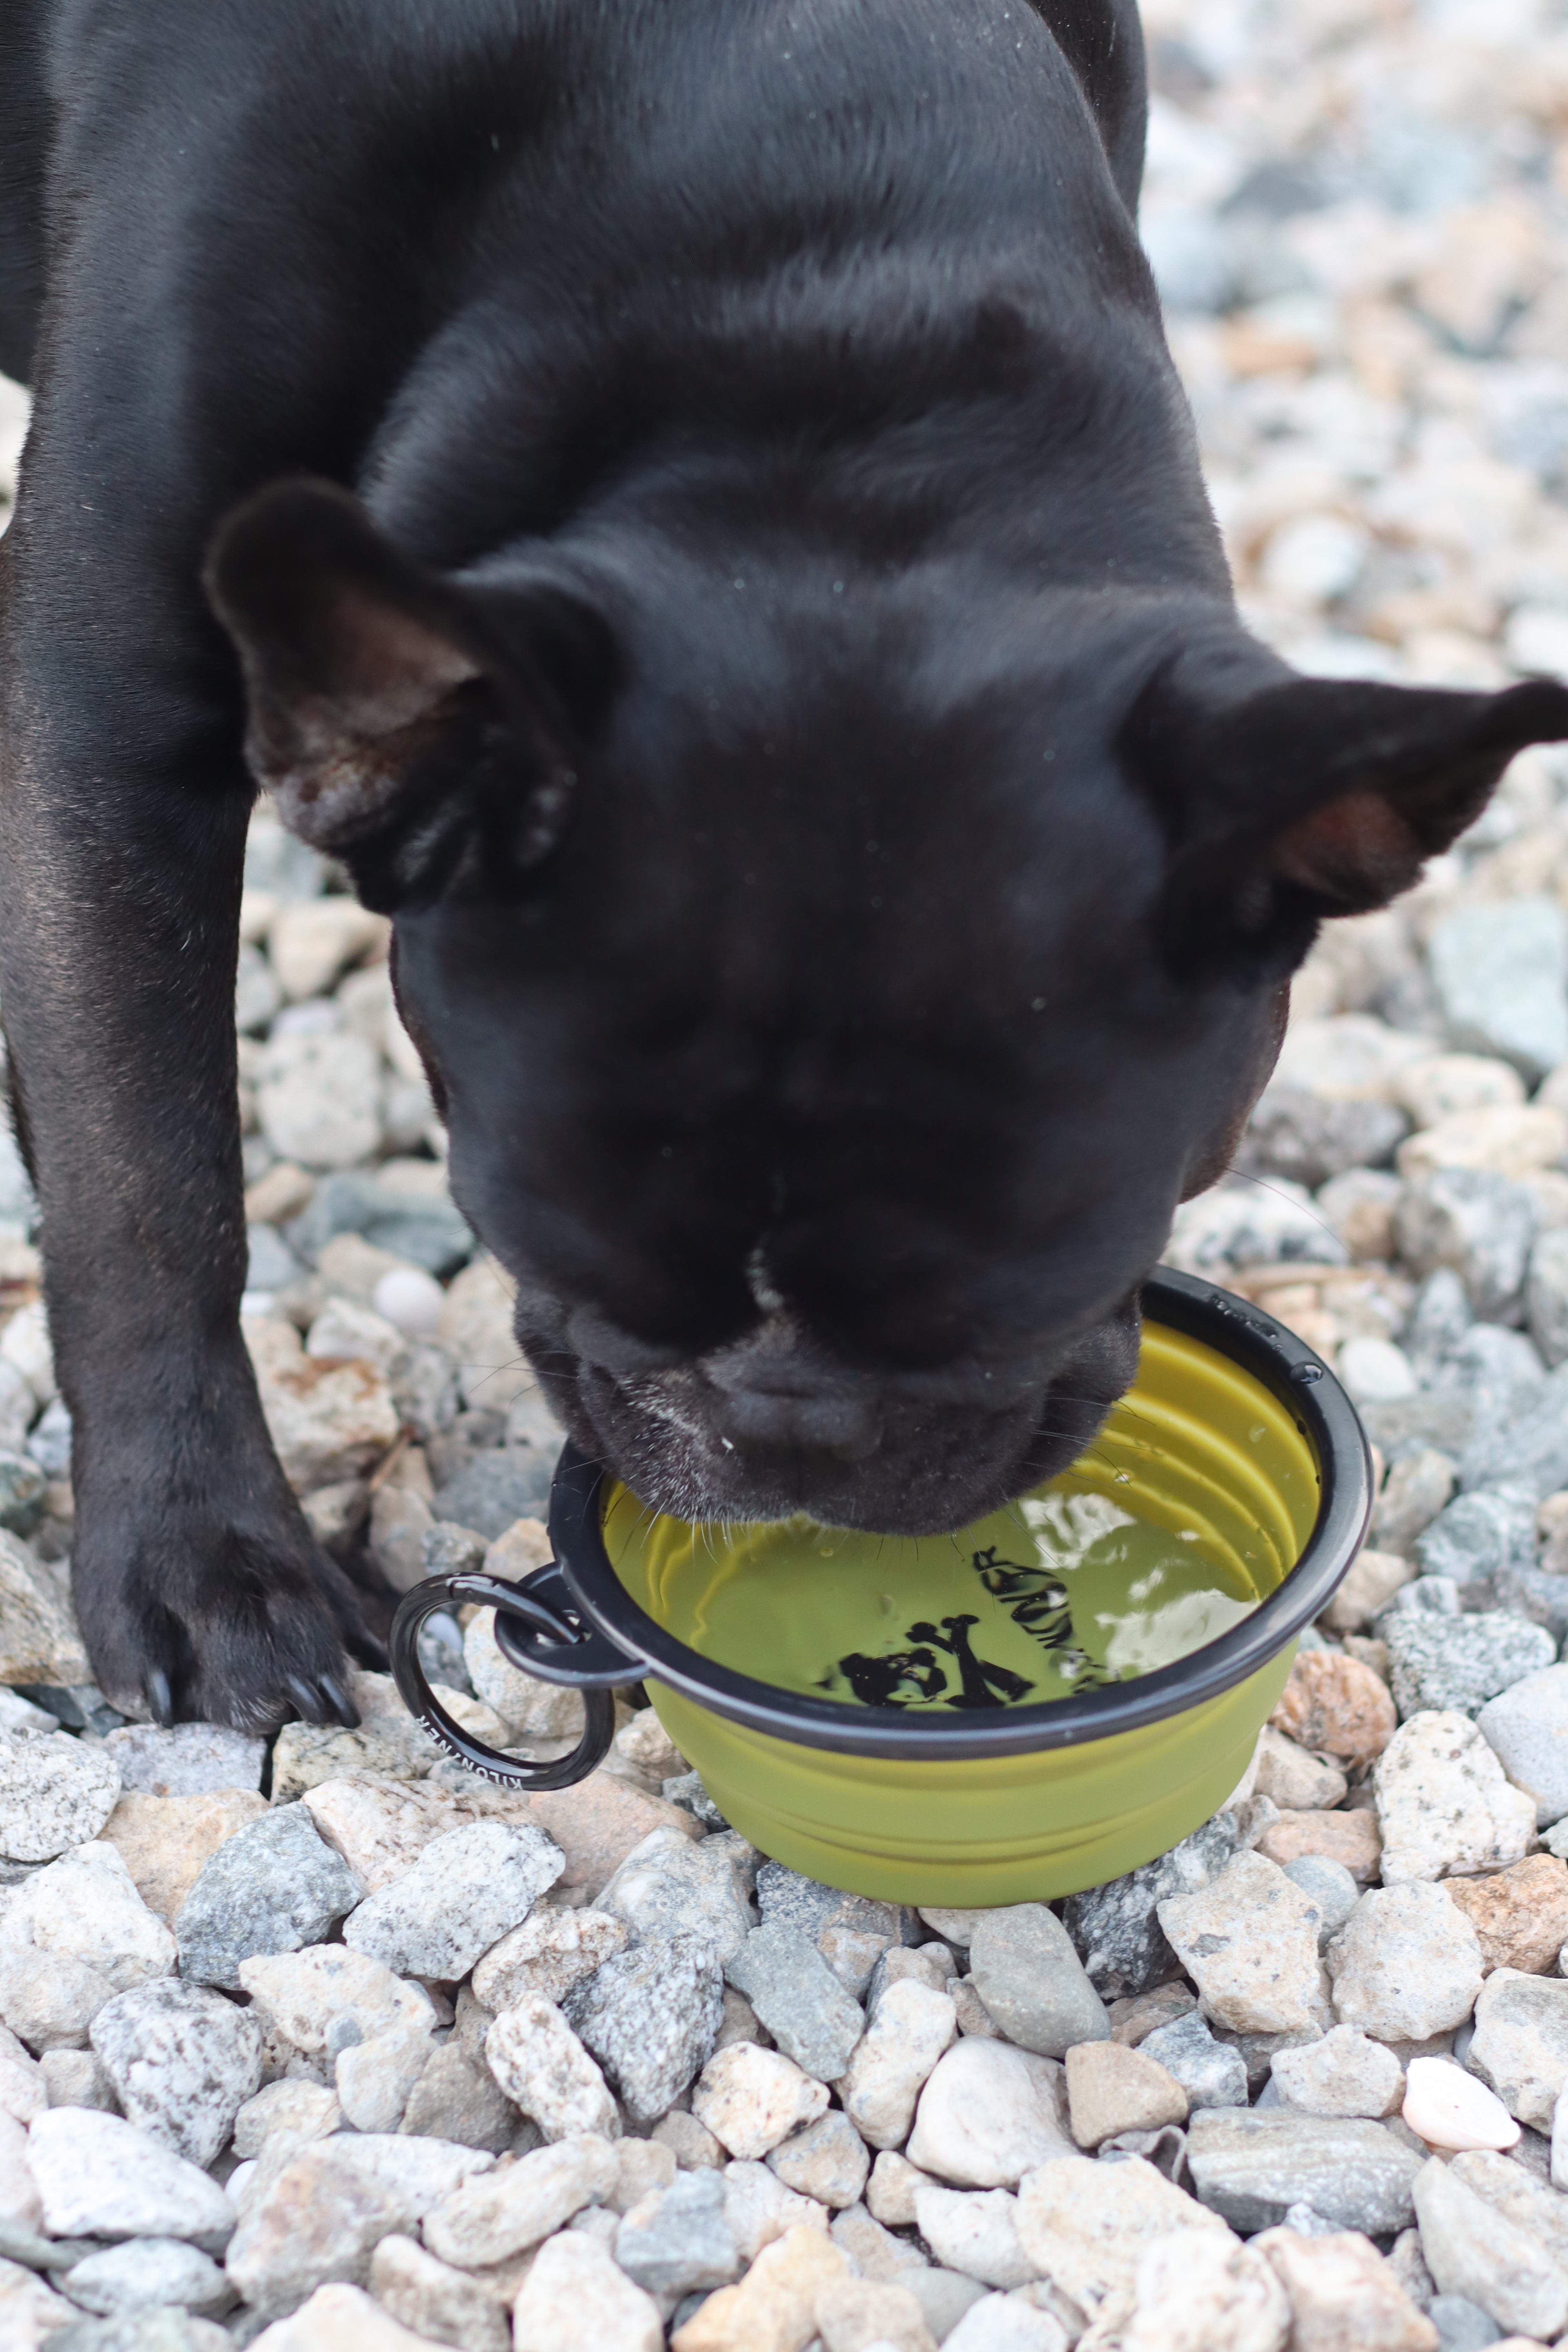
(1234, 1437)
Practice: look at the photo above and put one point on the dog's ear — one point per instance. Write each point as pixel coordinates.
(1288, 799)
(401, 722)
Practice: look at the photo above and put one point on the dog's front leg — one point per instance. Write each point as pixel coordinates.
(122, 819)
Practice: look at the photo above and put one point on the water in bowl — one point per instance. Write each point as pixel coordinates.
(1059, 1593)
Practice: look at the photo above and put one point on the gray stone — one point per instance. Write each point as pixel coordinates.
(22, 1490)
(686, 1789)
(454, 1550)
(99, 2176)
(271, 1264)
(1460, 1664)
(1116, 1928)
(1479, 1224)
(543, 2068)
(464, 1892)
(797, 1997)
(1414, 1491)
(850, 1931)
(1252, 2167)
(455, 2098)
(1519, 2048)
(943, 2297)
(182, 2062)
(274, 1887)
(1478, 1534)
(1311, 1137)
(165, 2330)
(147, 2271)
(1529, 1446)
(1474, 2250)
(677, 2240)
(650, 2016)
(1330, 1885)
(1033, 1983)
(496, 1489)
(430, 1232)
(1210, 2072)
(1501, 975)
(1546, 1295)
(1462, 2325)
(671, 1884)
(1526, 1726)
(1246, 1223)
(191, 1760)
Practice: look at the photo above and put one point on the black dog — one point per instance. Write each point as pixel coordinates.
(696, 505)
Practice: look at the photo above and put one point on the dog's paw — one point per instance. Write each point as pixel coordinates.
(217, 1616)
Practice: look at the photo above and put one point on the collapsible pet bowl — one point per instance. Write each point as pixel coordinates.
(951, 1787)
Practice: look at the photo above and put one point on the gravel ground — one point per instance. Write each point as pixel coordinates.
(327, 2045)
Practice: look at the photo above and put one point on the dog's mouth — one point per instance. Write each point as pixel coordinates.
(702, 1442)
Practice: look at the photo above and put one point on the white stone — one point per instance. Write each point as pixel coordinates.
(1343, 2073)
(1249, 1942)
(313, 940)
(1451, 2109)
(20, 2198)
(750, 2099)
(1297, 1780)
(1526, 1726)
(1004, 2323)
(760, 2209)
(188, 1759)
(489, 2220)
(374, 2079)
(549, 1954)
(344, 1330)
(1375, 1371)
(574, 2296)
(1407, 1963)
(411, 1300)
(1087, 2225)
(83, 1909)
(327, 1995)
(477, 1329)
(468, 1888)
(338, 2319)
(55, 1792)
(183, 2061)
(544, 2070)
(974, 2231)
(1444, 1804)
(913, 2026)
(1195, 2294)
(39, 1641)
(99, 2176)
(25, 1344)
(1344, 2296)
(30, 2312)
(320, 1099)
(989, 2113)
(24, 2091)
(148, 2272)
(329, 1421)
(324, 2209)
(439, 2303)
(307, 2110)
(673, 1885)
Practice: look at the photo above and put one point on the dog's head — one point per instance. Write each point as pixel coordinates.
(832, 979)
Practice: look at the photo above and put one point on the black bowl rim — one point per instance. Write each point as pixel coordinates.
(1236, 1329)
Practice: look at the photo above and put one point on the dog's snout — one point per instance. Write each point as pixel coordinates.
(850, 1427)
(772, 1390)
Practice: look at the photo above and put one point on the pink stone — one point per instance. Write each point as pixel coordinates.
(1451, 2109)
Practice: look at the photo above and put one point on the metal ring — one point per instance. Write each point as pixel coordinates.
(507, 1772)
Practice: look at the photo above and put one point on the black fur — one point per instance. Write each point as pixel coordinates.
(698, 512)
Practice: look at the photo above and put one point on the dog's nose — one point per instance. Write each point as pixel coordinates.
(772, 1390)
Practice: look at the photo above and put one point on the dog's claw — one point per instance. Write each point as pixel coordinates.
(160, 1697)
(339, 1702)
(366, 1649)
(306, 1699)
